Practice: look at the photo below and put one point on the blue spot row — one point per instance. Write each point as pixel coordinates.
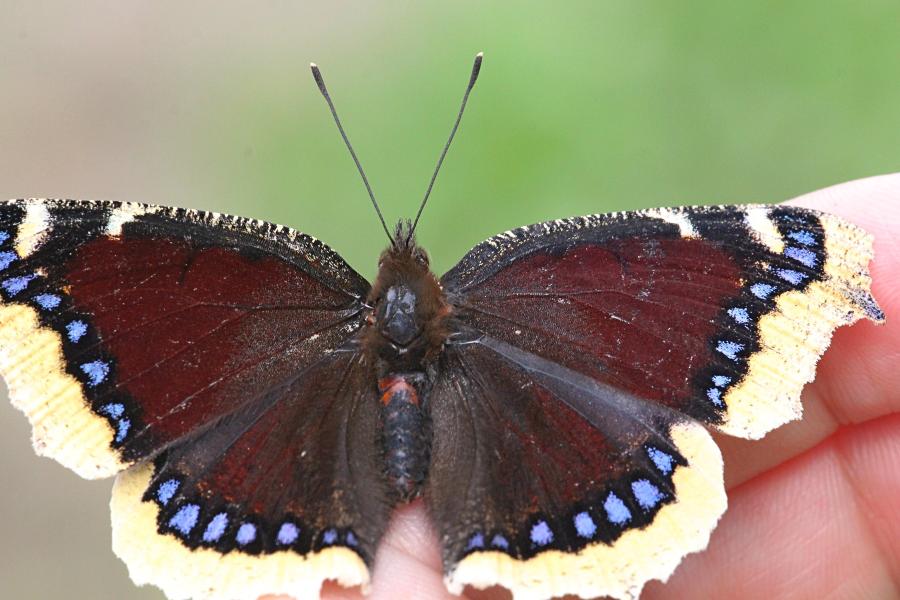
(616, 510)
(541, 534)
(330, 536)
(167, 490)
(96, 371)
(791, 276)
(475, 542)
(802, 237)
(584, 525)
(246, 534)
(740, 315)
(184, 520)
(116, 412)
(3, 236)
(216, 528)
(762, 290)
(804, 256)
(729, 348)
(76, 330)
(663, 461)
(48, 301)
(646, 494)
(715, 393)
(6, 259)
(287, 534)
(15, 285)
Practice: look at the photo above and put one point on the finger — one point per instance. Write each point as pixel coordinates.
(858, 375)
(408, 564)
(821, 525)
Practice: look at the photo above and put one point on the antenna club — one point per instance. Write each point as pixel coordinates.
(476, 69)
(317, 75)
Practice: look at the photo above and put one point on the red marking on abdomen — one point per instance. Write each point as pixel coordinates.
(396, 386)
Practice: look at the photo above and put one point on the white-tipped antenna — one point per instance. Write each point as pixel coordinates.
(476, 68)
(317, 75)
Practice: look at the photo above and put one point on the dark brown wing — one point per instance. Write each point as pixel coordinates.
(586, 355)
(220, 348)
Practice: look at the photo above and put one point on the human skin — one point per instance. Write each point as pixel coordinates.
(814, 507)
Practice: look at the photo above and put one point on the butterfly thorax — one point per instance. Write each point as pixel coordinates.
(405, 333)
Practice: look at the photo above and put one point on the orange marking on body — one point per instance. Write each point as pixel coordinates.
(395, 384)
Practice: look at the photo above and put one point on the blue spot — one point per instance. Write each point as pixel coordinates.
(646, 494)
(729, 349)
(76, 330)
(3, 236)
(329, 537)
(541, 534)
(351, 539)
(802, 255)
(287, 534)
(585, 525)
(14, 285)
(740, 315)
(165, 491)
(791, 276)
(803, 237)
(185, 519)
(122, 430)
(662, 460)
(96, 372)
(616, 511)
(6, 258)
(476, 541)
(113, 410)
(721, 380)
(48, 301)
(715, 396)
(762, 290)
(216, 528)
(498, 541)
(246, 533)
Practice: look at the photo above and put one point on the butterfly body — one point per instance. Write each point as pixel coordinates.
(266, 408)
(405, 332)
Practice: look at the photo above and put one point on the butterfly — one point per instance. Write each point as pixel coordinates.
(264, 408)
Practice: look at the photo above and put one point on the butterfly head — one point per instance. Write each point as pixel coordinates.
(409, 307)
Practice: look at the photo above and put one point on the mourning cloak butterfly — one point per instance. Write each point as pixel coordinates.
(265, 408)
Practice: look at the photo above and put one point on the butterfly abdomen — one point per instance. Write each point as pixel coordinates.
(406, 436)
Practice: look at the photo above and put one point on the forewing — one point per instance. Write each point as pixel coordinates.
(720, 313)
(125, 328)
(548, 482)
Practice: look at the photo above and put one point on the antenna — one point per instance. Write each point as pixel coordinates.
(317, 75)
(476, 68)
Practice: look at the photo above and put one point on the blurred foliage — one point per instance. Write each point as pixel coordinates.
(583, 107)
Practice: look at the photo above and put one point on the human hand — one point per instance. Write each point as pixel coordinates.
(813, 507)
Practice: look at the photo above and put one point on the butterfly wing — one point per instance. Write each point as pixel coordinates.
(550, 483)
(275, 499)
(127, 332)
(655, 321)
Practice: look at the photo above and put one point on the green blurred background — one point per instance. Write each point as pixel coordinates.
(581, 107)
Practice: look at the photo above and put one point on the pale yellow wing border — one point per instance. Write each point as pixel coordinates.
(31, 361)
(620, 569)
(205, 574)
(797, 332)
